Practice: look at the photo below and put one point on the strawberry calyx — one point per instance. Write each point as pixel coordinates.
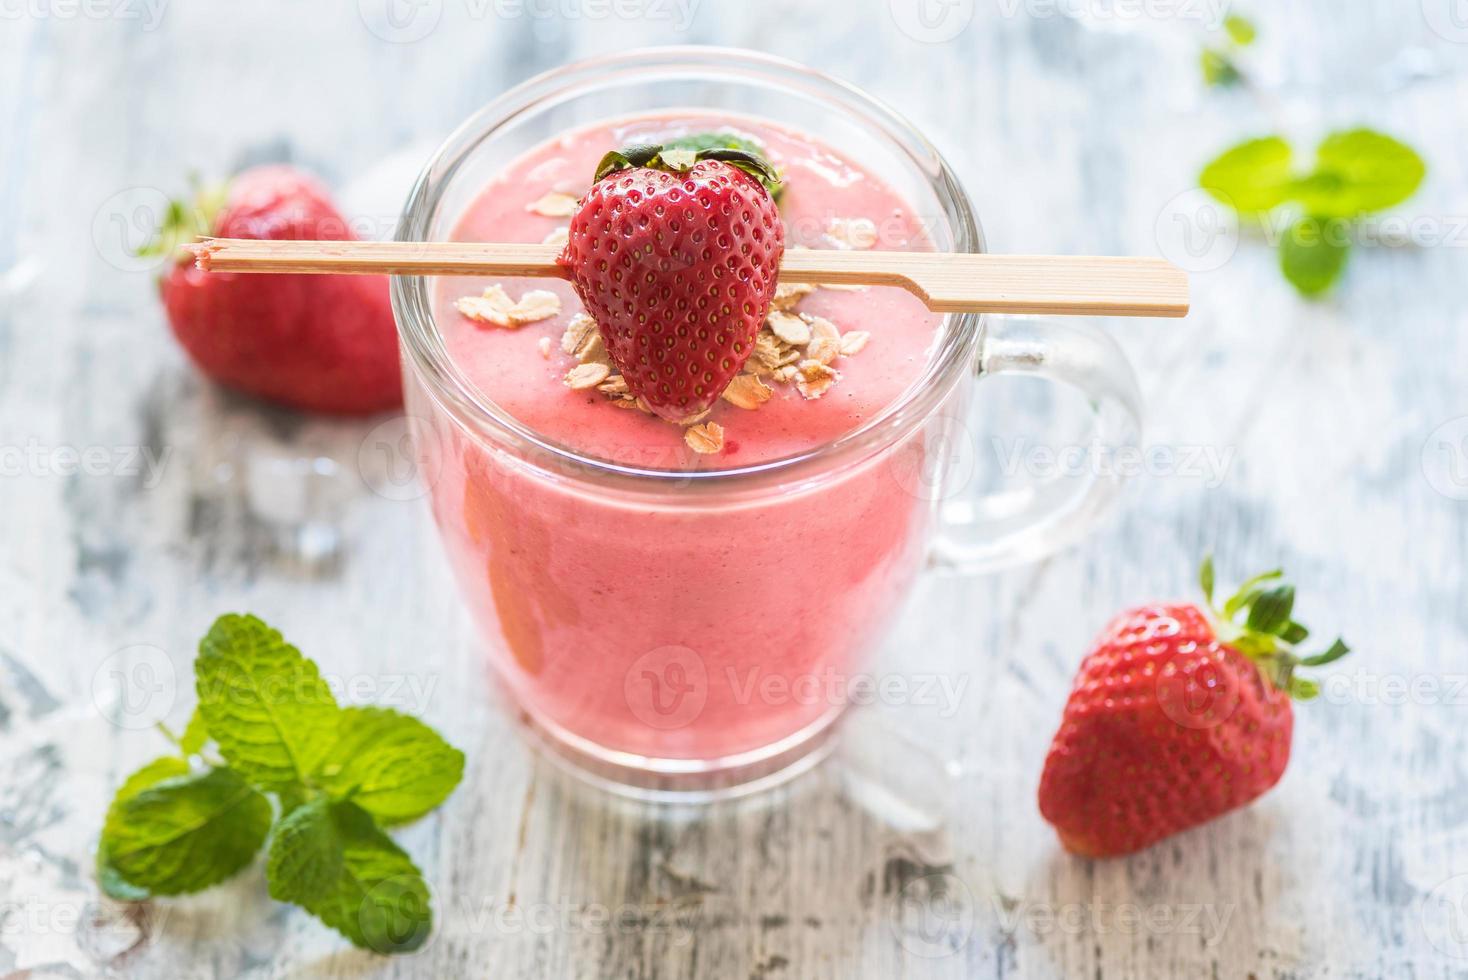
(187, 219)
(1257, 621)
(679, 156)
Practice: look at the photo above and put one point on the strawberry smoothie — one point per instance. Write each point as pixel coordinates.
(682, 622)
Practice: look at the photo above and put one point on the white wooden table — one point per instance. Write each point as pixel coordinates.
(1073, 135)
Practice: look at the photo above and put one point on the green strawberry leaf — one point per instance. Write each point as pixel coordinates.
(155, 772)
(390, 764)
(702, 143)
(1205, 578)
(266, 706)
(1294, 633)
(1336, 651)
(714, 141)
(186, 832)
(195, 735)
(1358, 171)
(187, 220)
(306, 857)
(1270, 613)
(1303, 689)
(1253, 177)
(734, 150)
(378, 899)
(1313, 255)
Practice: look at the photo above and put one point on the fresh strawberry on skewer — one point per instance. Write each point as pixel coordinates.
(1177, 717)
(675, 253)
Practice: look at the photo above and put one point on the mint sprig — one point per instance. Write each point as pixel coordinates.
(1267, 634)
(188, 821)
(1356, 172)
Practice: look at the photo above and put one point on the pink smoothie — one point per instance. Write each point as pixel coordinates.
(686, 625)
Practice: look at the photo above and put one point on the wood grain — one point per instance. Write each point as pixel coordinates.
(1281, 432)
(948, 283)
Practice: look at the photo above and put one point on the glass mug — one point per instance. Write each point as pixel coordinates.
(635, 647)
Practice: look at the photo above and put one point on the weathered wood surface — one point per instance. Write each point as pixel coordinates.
(1073, 136)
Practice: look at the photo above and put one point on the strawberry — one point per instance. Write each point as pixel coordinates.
(674, 252)
(317, 343)
(1177, 717)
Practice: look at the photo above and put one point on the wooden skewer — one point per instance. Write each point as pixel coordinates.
(946, 282)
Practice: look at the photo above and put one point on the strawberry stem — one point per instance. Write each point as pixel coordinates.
(675, 158)
(1268, 633)
(187, 219)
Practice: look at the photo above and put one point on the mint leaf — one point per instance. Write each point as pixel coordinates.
(378, 899)
(1358, 171)
(306, 856)
(390, 764)
(187, 832)
(1313, 254)
(266, 705)
(195, 735)
(111, 880)
(1252, 177)
(1240, 29)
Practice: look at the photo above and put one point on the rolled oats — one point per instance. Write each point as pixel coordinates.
(707, 438)
(747, 391)
(586, 376)
(553, 204)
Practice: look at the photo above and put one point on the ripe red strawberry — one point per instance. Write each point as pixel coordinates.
(674, 253)
(317, 343)
(1176, 718)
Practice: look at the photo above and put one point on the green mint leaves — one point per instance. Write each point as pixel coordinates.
(185, 822)
(187, 832)
(1356, 172)
(266, 705)
(393, 766)
(1268, 634)
(351, 876)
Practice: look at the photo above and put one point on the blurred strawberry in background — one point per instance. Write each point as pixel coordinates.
(309, 342)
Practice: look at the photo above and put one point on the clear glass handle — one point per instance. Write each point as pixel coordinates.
(981, 532)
